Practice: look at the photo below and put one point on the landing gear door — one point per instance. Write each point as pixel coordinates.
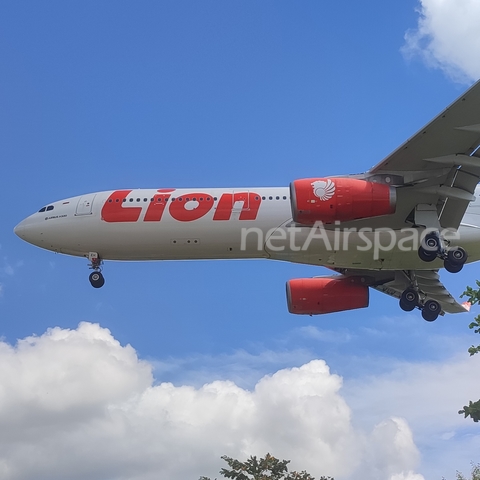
(85, 204)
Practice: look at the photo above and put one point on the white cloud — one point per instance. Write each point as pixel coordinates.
(394, 447)
(447, 37)
(242, 367)
(428, 395)
(77, 404)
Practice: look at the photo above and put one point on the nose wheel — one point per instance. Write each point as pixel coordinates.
(433, 247)
(96, 278)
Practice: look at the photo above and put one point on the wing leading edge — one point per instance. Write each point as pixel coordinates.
(440, 164)
(454, 132)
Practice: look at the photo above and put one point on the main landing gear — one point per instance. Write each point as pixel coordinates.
(411, 298)
(96, 278)
(433, 246)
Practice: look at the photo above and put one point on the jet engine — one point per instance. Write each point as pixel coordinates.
(314, 296)
(342, 199)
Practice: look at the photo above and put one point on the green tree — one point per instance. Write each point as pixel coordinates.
(475, 473)
(268, 468)
(472, 410)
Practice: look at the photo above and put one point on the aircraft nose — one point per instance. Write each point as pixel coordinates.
(28, 230)
(19, 230)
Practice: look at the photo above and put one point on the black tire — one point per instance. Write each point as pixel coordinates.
(406, 307)
(452, 267)
(457, 256)
(409, 299)
(431, 243)
(431, 310)
(96, 279)
(426, 256)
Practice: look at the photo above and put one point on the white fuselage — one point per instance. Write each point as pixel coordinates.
(176, 224)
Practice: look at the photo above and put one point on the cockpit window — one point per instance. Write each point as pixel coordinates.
(50, 207)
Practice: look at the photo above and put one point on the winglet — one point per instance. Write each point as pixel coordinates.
(466, 306)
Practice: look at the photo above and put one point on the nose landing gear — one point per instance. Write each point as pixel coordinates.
(433, 246)
(96, 278)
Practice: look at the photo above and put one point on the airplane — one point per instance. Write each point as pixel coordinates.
(391, 228)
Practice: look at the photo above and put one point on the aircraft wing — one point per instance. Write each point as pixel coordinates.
(393, 283)
(429, 285)
(440, 164)
(456, 131)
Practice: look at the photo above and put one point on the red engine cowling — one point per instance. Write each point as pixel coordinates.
(314, 296)
(343, 199)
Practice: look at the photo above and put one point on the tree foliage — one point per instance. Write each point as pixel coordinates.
(267, 468)
(475, 473)
(472, 410)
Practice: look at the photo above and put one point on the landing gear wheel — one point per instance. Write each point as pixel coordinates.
(452, 267)
(457, 256)
(409, 300)
(431, 310)
(426, 256)
(431, 243)
(96, 279)
(406, 307)
(430, 247)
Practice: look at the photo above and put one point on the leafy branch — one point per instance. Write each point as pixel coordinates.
(472, 410)
(267, 468)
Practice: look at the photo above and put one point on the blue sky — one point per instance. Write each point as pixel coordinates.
(105, 95)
